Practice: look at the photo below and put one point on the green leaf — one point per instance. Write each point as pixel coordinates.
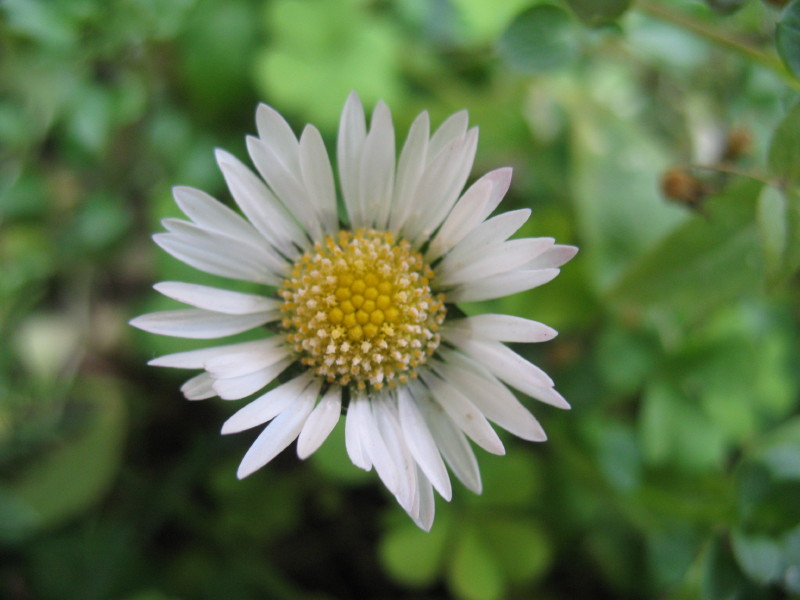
(615, 162)
(671, 551)
(726, 7)
(722, 579)
(784, 148)
(598, 12)
(412, 556)
(541, 39)
(508, 481)
(75, 473)
(519, 545)
(321, 51)
(703, 263)
(780, 451)
(792, 255)
(676, 432)
(787, 37)
(474, 573)
(772, 230)
(761, 558)
(625, 356)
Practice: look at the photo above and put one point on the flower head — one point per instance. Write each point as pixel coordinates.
(359, 310)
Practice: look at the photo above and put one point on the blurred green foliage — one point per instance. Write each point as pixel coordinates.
(660, 137)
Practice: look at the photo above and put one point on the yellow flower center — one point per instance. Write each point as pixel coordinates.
(359, 309)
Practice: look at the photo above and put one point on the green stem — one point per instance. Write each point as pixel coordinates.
(718, 37)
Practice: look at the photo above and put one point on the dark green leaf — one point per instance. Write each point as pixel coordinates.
(787, 37)
(76, 472)
(726, 7)
(598, 12)
(722, 579)
(541, 39)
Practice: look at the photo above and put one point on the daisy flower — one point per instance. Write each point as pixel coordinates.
(358, 310)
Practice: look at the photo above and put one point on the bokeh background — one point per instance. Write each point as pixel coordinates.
(661, 137)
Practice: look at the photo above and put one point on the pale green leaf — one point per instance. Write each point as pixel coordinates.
(474, 573)
(412, 556)
(707, 261)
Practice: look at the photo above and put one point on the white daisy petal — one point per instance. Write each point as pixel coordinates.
(452, 444)
(280, 433)
(276, 133)
(388, 426)
(315, 167)
(495, 259)
(262, 253)
(501, 179)
(421, 443)
(461, 219)
(196, 359)
(375, 448)
(442, 183)
(549, 395)
(454, 127)
(196, 323)
(199, 387)
(553, 257)
(425, 504)
(267, 407)
(463, 413)
(501, 361)
(286, 184)
(494, 231)
(210, 298)
(472, 208)
(355, 423)
(352, 133)
(320, 422)
(504, 284)
(495, 401)
(218, 255)
(501, 328)
(240, 387)
(262, 208)
(513, 369)
(410, 167)
(235, 364)
(376, 172)
(211, 214)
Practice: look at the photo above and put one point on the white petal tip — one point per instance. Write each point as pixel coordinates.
(549, 333)
(137, 322)
(426, 527)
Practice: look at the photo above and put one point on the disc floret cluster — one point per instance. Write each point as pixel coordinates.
(359, 310)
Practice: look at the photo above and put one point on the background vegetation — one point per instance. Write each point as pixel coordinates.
(663, 138)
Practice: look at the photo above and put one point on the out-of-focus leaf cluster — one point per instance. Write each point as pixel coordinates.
(671, 160)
